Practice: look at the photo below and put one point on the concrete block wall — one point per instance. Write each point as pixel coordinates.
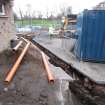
(7, 27)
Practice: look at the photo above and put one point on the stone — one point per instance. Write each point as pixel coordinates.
(6, 89)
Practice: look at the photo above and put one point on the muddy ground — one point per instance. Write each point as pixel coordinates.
(29, 86)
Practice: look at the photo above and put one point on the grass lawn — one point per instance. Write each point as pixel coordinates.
(38, 22)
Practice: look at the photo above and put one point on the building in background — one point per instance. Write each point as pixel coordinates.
(7, 27)
(100, 6)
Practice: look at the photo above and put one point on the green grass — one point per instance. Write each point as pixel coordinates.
(38, 22)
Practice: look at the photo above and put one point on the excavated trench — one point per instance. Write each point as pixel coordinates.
(30, 85)
(92, 94)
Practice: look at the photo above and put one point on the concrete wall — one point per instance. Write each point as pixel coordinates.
(7, 29)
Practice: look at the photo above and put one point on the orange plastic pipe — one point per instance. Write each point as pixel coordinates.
(17, 46)
(49, 74)
(25, 40)
(16, 65)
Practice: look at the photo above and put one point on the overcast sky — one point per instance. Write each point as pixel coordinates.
(54, 5)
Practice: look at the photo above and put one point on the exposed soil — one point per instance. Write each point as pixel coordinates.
(29, 86)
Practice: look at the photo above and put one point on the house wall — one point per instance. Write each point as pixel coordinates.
(7, 29)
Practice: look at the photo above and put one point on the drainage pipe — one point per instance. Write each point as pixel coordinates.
(17, 46)
(25, 40)
(16, 65)
(48, 71)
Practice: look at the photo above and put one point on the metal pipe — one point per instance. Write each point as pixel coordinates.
(17, 46)
(16, 65)
(48, 71)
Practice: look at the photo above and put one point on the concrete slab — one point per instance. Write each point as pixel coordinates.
(94, 71)
(59, 74)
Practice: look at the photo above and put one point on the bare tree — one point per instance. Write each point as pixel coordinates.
(39, 15)
(63, 9)
(21, 16)
(29, 13)
(26, 15)
(47, 13)
(69, 10)
(15, 16)
(34, 15)
(51, 17)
